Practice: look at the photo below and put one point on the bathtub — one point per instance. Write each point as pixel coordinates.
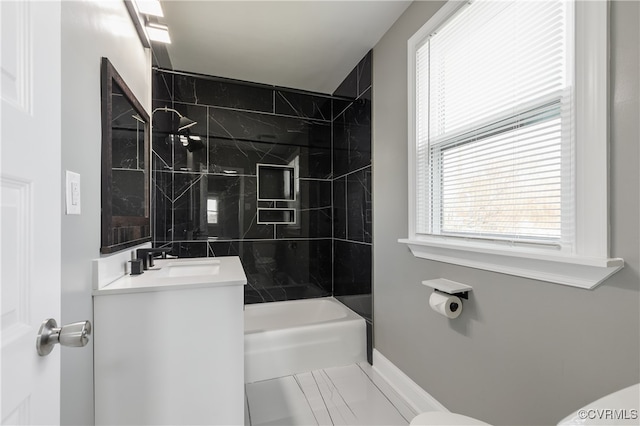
(285, 338)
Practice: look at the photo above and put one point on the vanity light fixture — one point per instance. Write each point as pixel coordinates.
(149, 7)
(145, 14)
(158, 32)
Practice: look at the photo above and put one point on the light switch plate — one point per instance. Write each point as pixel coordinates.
(73, 193)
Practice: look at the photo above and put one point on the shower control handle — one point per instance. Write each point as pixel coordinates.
(74, 335)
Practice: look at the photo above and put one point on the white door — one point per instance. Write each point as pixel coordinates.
(30, 178)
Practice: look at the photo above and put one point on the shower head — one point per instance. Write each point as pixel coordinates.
(184, 122)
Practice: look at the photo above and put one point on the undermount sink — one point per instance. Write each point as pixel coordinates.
(190, 268)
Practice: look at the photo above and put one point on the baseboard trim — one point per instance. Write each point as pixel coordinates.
(419, 399)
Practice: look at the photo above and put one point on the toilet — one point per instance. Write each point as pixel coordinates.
(617, 408)
(621, 407)
(442, 418)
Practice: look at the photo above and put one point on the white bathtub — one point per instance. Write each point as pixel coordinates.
(284, 338)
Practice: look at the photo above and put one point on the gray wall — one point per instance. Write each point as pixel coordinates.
(523, 351)
(90, 30)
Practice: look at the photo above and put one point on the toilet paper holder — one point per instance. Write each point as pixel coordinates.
(446, 286)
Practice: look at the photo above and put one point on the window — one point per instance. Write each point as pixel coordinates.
(212, 211)
(500, 143)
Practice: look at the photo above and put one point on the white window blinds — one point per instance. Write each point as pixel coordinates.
(493, 123)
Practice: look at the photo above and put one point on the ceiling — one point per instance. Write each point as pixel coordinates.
(305, 44)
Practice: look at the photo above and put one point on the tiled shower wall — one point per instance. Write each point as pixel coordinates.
(205, 198)
(205, 194)
(352, 220)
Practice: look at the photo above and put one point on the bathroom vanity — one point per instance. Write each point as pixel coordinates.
(169, 344)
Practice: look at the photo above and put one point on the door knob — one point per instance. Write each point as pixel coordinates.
(76, 335)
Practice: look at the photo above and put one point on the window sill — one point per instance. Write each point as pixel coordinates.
(575, 271)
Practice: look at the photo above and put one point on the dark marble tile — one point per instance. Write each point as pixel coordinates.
(189, 249)
(122, 111)
(206, 91)
(163, 121)
(306, 262)
(314, 223)
(362, 304)
(216, 206)
(162, 152)
(352, 138)
(190, 154)
(352, 268)
(271, 129)
(314, 194)
(169, 144)
(190, 146)
(191, 207)
(349, 86)
(339, 106)
(367, 94)
(315, 163)
(163, 125)
(233, 210)
(281, 269)
(162, 184)
(252, 295)
(340, 208)
(313, 211)
(162, 87)
(240, 140)
(127, 135)
(303, 105)
(359, 226)
(364, 73)
(128, 188)
(225, 248)
(127, 149)
(188, 205)
(279, 294)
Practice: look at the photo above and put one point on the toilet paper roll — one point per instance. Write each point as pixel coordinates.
(446, 304)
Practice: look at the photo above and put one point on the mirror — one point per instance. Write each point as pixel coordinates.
(125, 165)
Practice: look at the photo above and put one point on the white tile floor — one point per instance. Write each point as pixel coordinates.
(351, 395)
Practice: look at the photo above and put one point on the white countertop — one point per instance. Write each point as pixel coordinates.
(228, 272)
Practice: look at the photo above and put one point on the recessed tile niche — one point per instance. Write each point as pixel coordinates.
(276, 183)
(282, 178)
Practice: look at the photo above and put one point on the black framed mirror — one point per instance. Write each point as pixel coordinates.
(125, 165)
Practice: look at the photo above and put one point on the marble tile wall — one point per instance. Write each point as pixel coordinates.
(205, 193)
(352, 204)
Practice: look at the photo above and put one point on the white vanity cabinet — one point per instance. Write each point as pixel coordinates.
(170, 351)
